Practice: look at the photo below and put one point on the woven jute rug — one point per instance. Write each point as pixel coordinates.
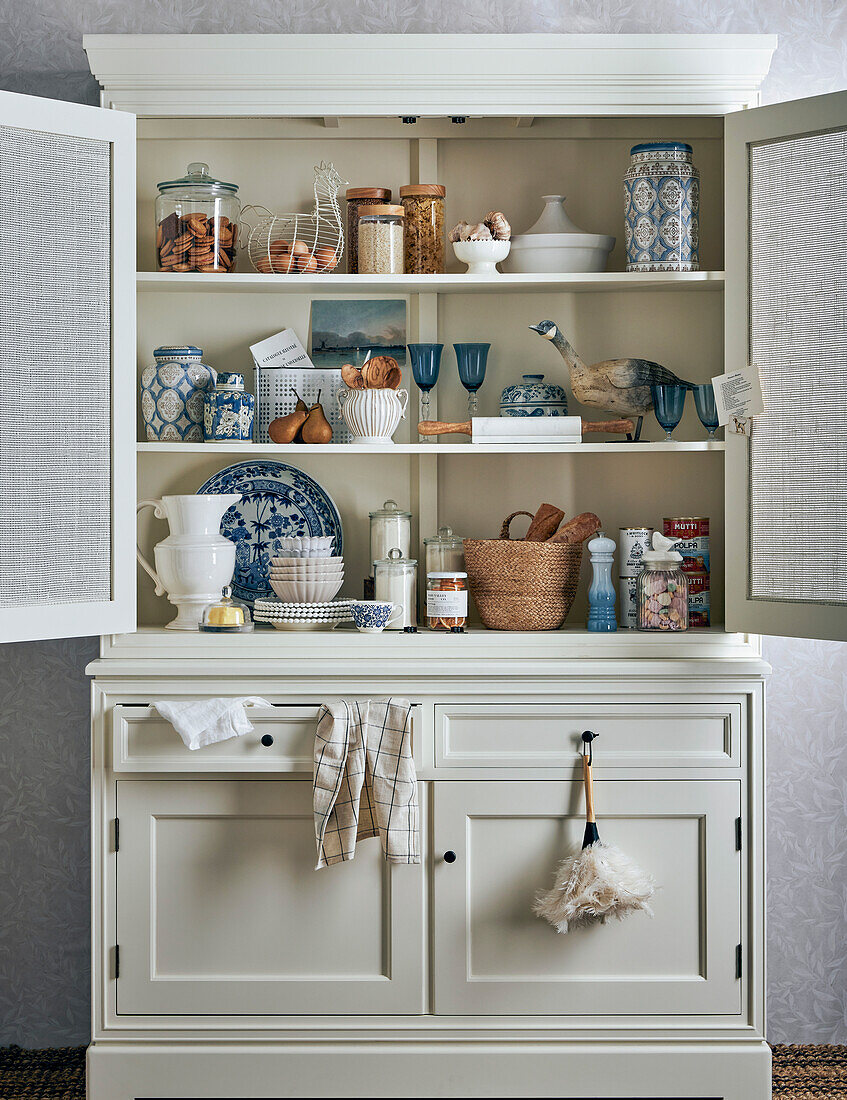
(799, 1073)
(810, 1073)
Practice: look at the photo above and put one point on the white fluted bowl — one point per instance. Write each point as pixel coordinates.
(373, 415)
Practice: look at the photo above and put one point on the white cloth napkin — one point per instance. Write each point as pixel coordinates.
(202, 722)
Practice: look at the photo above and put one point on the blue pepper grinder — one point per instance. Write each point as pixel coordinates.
(601, 594)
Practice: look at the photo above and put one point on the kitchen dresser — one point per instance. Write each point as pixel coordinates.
(223, 964)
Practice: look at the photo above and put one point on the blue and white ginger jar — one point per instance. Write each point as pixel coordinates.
(662, 208)
(172, 393)
(533, 397)
(228, 410)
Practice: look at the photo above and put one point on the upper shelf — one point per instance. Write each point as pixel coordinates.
(254, 282)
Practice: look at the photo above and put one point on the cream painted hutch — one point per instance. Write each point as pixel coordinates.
(223, 964)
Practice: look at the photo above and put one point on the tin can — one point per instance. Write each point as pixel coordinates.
(628, 603)
(693, 544)
(632, 542)
(699, 601)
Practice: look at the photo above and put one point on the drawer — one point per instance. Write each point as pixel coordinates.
(143, 741)
(679, 734)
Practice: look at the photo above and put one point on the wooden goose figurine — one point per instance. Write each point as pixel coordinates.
(620, 386)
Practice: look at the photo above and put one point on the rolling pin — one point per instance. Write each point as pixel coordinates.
(499, 429)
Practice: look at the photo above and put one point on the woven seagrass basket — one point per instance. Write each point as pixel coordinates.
(521, 585)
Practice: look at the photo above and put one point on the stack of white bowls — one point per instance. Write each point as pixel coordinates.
(308, 573)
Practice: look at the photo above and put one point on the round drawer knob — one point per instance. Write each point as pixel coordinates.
(267, 740)
(449, 857)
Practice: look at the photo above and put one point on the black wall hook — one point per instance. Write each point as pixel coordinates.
(587, 738)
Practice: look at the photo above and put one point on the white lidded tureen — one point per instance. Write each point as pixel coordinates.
(555, 244)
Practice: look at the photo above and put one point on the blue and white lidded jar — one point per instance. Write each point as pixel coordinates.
(662, 208)
(228, 412)
(533, 397)
(172, 392)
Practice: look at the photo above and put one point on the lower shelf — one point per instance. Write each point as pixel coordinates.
(345, 645)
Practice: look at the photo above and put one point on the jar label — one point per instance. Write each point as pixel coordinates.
(447, 605)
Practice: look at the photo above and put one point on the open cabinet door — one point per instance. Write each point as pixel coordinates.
(67, 369)
(786, 311)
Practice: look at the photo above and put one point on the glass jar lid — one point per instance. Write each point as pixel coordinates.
(354, 193)
(198, 183)
(390, 510)
(384, 210)
(226, 616)
(446, 539)
(446, 576)
(395, 559)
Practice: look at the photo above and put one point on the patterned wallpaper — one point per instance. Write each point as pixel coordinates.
(44, 969)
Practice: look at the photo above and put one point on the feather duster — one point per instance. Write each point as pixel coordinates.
(600, 882)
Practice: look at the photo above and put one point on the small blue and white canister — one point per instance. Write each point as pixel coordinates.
(662, 208)
(533, 397)
(228, 412)
(172, 392)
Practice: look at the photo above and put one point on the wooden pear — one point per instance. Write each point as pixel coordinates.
(286, 428)
(316, 428)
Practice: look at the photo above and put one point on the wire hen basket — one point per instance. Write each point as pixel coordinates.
(300, 244)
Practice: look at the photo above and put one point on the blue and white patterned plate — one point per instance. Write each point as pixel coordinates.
(278, 500)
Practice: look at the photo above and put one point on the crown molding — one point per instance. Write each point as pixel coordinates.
(339, 75)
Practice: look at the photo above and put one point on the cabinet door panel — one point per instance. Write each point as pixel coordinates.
(492, 955)
(786, 282)
(67, 387)
(220, 909)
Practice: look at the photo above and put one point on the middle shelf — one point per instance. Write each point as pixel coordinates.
(290, 449)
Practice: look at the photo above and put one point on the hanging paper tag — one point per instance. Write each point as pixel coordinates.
(738, 395)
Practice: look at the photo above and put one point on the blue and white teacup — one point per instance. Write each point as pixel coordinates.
(373, 616)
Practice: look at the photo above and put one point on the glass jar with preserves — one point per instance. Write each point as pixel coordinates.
(444, 551)
(662, 588)
(447, 601)
(359, 201)
(381, 241)
(197, 222)
(424, 228)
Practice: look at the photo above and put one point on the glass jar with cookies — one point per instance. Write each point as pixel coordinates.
(197, 223)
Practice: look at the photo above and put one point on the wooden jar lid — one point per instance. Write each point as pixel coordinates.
(396, 211)
(369, 193)
(434, 189)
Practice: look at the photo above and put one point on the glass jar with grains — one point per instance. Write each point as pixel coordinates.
(359, 201)
(381, 241)
(424, 230)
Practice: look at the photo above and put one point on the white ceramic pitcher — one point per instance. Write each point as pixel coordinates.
(195, 561)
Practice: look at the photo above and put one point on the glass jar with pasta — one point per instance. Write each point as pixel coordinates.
(423, 235)
(447, 601)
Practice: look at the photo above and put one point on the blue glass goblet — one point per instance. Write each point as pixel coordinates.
(668, 403)
(426, 361)
(707, 410)
(472, 359)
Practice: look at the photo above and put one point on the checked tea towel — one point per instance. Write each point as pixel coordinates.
(364, 780)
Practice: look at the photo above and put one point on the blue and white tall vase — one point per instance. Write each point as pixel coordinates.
(662, 208)
(228, 412)
(601, 594)
(172, 392)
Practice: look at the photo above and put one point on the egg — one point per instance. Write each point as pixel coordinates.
(299, 248)
(279, 245)
(284, 262)
(307, 263)
(325, 258)
(263, 264)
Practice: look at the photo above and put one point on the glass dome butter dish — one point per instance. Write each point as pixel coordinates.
(226, 616)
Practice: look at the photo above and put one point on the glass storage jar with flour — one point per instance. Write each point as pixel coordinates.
(396, 581)
(390, 526)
